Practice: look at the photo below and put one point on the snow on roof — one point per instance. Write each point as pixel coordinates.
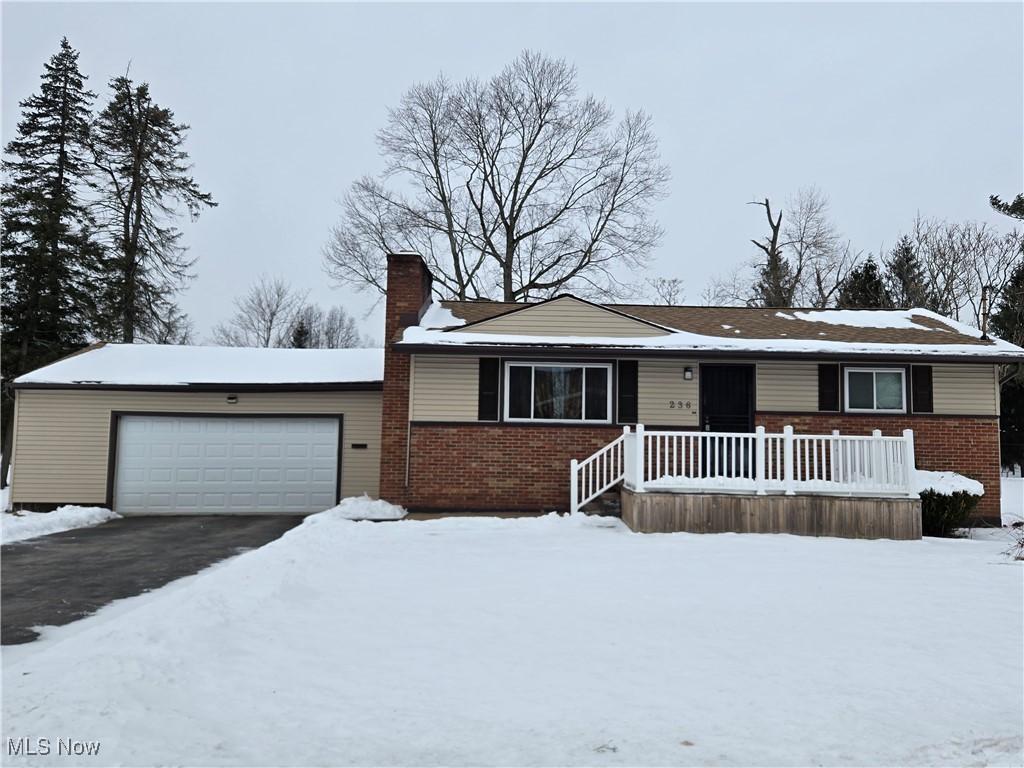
(859, 318)
(439, 316)
(173, 365)
(917, 332)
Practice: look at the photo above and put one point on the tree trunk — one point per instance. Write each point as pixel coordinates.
(507, 286)
(7, 443)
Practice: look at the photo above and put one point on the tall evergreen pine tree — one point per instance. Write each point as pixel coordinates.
(905, 277)
(300, 335)
(1008, 323)
(49, 254)
(1014, 208)
(864, 289)
(144, 183)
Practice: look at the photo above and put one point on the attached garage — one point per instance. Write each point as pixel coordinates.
(114, 426)
(247, 465)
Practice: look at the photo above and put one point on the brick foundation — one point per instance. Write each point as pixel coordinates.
(496, 466)
(965, 444)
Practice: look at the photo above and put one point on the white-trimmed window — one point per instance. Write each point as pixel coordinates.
(567, 392)
(876, 390)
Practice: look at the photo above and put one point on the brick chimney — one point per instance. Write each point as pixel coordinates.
(408, 296)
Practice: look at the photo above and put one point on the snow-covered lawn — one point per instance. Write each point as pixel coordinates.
(550, 641)
(18, 525)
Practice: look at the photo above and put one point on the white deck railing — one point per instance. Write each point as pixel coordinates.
(745, 462)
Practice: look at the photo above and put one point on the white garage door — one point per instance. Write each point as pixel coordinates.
(180, 465)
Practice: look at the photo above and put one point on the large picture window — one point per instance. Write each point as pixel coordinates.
(877, 390)
(558, 392)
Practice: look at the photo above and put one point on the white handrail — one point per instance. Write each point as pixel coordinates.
(591, 477)
(748, 462)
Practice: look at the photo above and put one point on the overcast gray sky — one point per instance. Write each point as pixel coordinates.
(890, 109)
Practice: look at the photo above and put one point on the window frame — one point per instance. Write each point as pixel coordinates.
(847, 370)
(533, 365)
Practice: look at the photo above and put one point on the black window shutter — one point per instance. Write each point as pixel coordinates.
(921, 388)
(627, 391)
(828, 387)
(487, 401)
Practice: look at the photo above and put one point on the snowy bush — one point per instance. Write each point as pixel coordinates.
(1016, 550)
(942, 514)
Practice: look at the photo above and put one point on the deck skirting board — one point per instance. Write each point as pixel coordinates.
(805, 515)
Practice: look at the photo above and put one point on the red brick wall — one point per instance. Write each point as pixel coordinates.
(965, 444)
(497, 466)
(513, 467)
(408, 291)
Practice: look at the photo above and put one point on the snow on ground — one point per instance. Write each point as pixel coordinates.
(945, 483)
(545, 641)
(169, 364)
(363, 508)
(27, 525)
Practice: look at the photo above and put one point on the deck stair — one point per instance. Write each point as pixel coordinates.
(608, 504)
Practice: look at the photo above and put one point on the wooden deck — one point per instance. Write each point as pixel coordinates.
(805, 515)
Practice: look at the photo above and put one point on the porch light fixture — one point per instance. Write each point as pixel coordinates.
(688, 373)
(232, 399)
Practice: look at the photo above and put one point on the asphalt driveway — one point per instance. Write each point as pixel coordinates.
(63, 577)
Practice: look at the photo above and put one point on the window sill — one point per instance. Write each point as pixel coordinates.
(877, 411)
(578, 422)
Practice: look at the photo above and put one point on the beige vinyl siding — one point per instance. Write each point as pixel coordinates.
(664, 397)
(965, 389)
(444, 388)
(63, 435)
(566, 317)
(787, 386)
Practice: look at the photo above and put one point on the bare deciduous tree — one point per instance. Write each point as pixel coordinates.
(666, 290)
(331, 329)
(803, 260)
(261, 316)
(960, 258)
(514, 188)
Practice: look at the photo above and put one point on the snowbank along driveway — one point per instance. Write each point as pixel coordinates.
(550, 641)
(62, 577)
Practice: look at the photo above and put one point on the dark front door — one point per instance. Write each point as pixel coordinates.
(727, 398)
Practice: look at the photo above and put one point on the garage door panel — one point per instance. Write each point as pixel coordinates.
(189, 451)
(209, 464)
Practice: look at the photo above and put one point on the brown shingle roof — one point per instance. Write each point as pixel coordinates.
(753, 323)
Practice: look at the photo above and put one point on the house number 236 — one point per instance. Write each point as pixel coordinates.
(679, 404)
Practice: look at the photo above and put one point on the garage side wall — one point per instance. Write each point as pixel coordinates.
(63, 436)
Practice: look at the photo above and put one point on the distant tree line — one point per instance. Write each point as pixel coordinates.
(273, 314)
(943, 266)
(803, 260)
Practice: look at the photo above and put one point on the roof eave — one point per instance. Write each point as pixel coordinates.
(312, 386)
(638, 352)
